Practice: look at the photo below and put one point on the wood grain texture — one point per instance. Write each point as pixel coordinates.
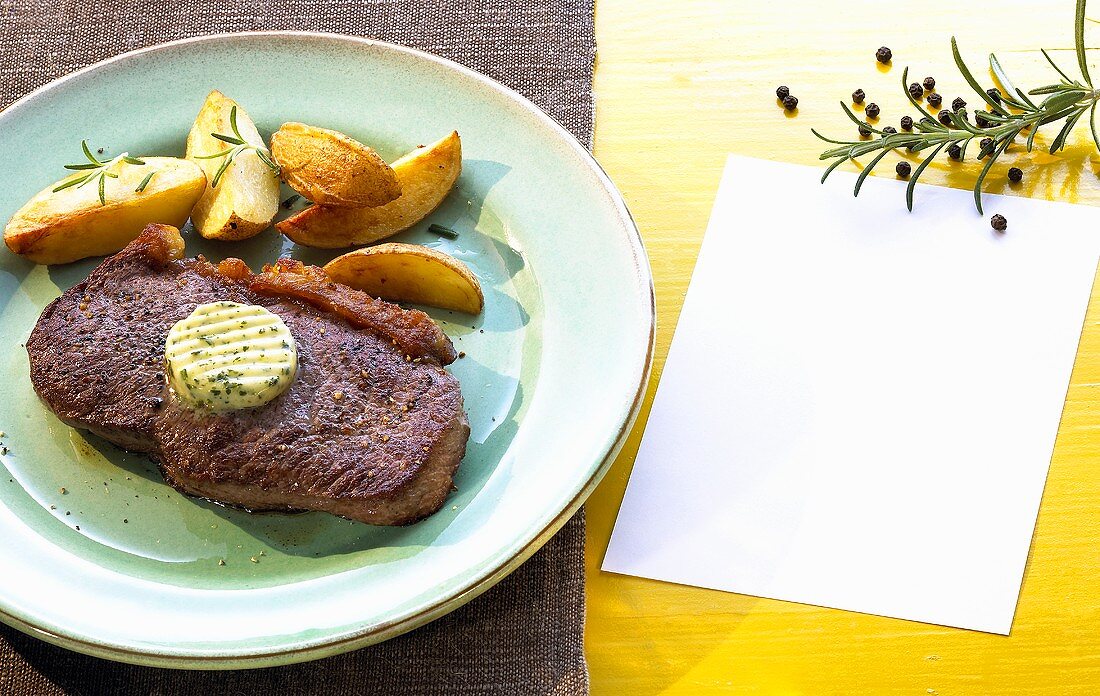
(678, 85)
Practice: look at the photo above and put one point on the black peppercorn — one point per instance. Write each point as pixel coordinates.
(916, 91)
(999, 222)
(954, 151)
(958, 103)
(872, 110)
(889, 130)
(864, 130)
(782, 91)
(980, 121)
(790, 102)
(994, 95)
(945, 117)
(1015, 174)
(930, 83)
(858, 96)
(907, 122)
(883, 55)
(903, 169)
(986, 147)
(934, 99)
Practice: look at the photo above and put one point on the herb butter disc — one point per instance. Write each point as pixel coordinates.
(227, 356)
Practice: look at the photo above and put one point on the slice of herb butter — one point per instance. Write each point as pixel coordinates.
(227, 356)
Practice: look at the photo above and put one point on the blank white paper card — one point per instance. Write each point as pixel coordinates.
(860, 403)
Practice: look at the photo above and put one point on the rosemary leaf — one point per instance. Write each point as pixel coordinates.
(1055, 66)
(233, 123)
(914, 102)
(969, 77)
(1007, 88)
(145, 182)
(858, 121)
(1092, 124)
(916, 174)
(88, 153)
(442, 231)
(1079, 41)
(72, 182)
(1023, 95)
(221, 170)
(831, 167)
(867, 170)
(1031, 138)
(985, 170)
(228, 139)
(830, 140)
(1059, 141)
(216, 155)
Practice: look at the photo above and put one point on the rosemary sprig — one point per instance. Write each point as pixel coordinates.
(1067, 100)
(99, 171)
(239, 145)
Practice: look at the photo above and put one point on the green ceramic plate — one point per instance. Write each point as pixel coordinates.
(121, 566)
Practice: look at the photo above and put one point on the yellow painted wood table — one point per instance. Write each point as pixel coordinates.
(678, 85)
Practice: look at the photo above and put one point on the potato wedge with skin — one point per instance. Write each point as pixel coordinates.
(426, 176)
(246, 199)
(330, 168)
(409, 273)
(71, 224)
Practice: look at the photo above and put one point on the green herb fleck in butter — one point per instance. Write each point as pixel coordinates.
(227, 356)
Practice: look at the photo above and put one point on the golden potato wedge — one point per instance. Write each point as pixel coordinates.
(71, 224)
(426, 176)
(330, 168)
(409, 273)
(243, 201)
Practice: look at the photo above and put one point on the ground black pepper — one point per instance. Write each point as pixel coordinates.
(883, 55)
(954, 151)
(1015, 174)
(903, 169)
(945, 117)
(872, 110)
(934, 99)
(999, 222)
(930, 83)
(907, 122)
(916, 91)
(858, 96)
(782, 91)
(790, 102)
(958, 103)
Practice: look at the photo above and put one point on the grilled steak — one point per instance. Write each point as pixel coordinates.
(371, 429)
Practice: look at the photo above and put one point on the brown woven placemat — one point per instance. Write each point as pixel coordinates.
(524, 636)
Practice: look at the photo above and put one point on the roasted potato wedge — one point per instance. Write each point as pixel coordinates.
(71, 224)
(426, 176)
(330, 168)
(409, 273)
(246, 195)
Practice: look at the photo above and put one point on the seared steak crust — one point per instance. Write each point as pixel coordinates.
(371, 429)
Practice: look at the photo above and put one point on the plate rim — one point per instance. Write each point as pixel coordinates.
(481, 580)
